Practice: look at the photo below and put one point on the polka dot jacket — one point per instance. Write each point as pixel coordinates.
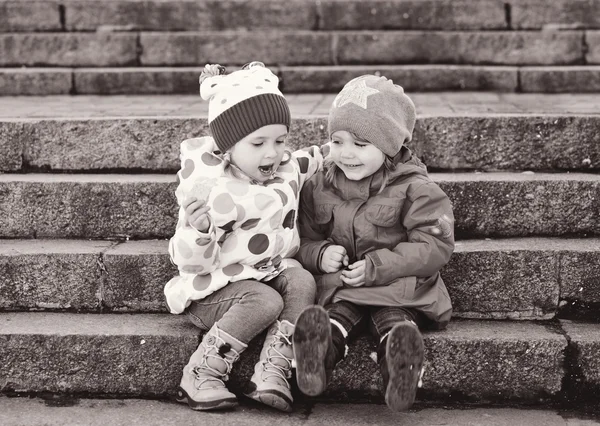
(253, 226)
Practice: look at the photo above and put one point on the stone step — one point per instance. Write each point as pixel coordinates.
(144, 206)
(301, 79)
(160, 15)
(500, 279)
(454, 131)
(143, 354)
(299, 47)
(69, 411)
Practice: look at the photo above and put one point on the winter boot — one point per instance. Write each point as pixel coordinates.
(400, 357)
(203, 383)
(270, 384)
(318, 347)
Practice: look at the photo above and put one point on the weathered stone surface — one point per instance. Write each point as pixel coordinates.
(87, 206)
(143, 354)
(491, 47)
(227, 47)
(480, 142)
(418, 78)
(72, 49)
(57, 274)
(117, 81)
(462, 142)
(143, 206)
(47, 81)
(122, 354)
(565, 14)
(29, 16)
(519, 205)
(135, 275)
(140, 412)
(580, 274)
(11, 146)
(592, 39)
(584, 338)
(516, 279)
(576, 79)
(148, 144)
(206, 15)
(412, 15)
(471, 360)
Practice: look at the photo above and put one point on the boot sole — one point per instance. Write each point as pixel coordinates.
(272, 398)
(310, 343)
(404, 349)
(219, 404)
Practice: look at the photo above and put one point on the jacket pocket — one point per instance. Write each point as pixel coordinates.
(385, 215)
(323, 213)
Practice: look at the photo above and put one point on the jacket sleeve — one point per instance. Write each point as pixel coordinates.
(429, 222)
(310, 161)
(191, 250)
(313, 239)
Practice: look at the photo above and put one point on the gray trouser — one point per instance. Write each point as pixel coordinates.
(244, 309)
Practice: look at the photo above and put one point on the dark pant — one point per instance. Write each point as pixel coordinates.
(381, 319)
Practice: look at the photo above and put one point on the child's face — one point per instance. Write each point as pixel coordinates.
(258, 155)
(357, 159)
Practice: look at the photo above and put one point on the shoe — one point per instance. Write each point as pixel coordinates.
(202, 386)
(270, 382)
(318, 347)
(400, 356)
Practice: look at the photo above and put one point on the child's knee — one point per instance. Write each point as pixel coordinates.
(271, 302)
(300, 281)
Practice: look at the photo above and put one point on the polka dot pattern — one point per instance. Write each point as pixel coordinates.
(202, 241)
(294, 186)
(279, 243)
(290, 219)
(237, 188)
(284, 198)
(230, 244)
(223, 203)
(193, 269)
(201, 282)
(249, 224)
(258, 244)
(232, 270)
(262, 201)
(184, 250)
(303, 163)
(241, 212)
(209, 250)
(275, 221)
(188, 168)
(210, 160)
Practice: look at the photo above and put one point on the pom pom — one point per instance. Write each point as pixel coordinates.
(212, 70)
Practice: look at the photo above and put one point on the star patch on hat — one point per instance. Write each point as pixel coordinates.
(357, 93)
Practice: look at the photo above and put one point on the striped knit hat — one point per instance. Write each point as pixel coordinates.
(376, 110)
(241, 102)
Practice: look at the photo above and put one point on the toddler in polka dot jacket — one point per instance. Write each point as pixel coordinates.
(236, 235)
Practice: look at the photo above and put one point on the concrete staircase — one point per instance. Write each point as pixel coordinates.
(87, 191)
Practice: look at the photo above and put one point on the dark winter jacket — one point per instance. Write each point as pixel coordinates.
(405, 234)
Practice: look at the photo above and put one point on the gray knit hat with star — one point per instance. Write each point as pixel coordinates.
(376, 110)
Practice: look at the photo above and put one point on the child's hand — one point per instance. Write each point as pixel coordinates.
(354, 276)
(196, 214)
(334, 257)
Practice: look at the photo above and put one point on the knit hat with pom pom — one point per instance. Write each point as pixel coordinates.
(241, 102)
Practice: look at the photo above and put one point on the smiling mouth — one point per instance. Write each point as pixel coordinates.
(266, 170)
(352, 166)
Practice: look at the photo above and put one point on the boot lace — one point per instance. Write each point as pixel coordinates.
(215, 350)
(283, 372)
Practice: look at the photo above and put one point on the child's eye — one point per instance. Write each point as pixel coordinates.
(257, 144)
(360, 145)
(280, 141)
(335, 142)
